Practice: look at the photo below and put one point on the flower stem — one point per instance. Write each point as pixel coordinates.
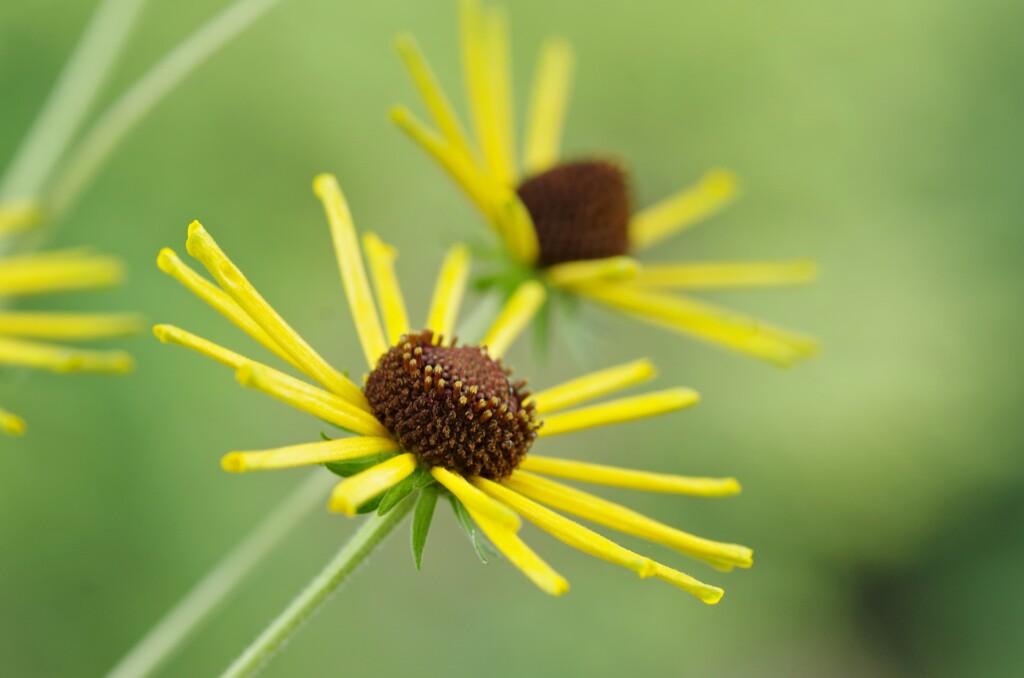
(360, 546)
(166, 637)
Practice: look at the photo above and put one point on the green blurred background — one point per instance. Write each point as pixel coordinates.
(884, 493)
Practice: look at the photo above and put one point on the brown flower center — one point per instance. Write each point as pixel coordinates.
(452, 406)
(580, 211)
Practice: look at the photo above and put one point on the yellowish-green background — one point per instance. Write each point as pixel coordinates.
(883, 481)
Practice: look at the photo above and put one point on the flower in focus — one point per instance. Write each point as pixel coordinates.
(25, 336)
(571, 223)
(438, 418)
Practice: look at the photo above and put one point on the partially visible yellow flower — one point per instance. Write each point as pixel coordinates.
(440, 417)
(25, 336)
(572, 222)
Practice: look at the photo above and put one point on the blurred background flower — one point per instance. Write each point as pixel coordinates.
(883, 487)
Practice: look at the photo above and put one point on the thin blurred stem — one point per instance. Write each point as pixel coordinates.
(362, 544)
(184, 618)
(102, 138)
(71, 98)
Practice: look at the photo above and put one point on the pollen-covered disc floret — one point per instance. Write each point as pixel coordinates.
(580, 211)
(452, 406)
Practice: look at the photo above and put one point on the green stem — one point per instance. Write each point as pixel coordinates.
(71, 98)
(101, 139)
(362, 544)
(206, 597)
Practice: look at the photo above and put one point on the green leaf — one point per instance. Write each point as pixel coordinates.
(403, 489)
(354, 466)
(484, 550)
(421, 520)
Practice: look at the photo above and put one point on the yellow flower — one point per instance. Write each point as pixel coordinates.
(441, 417)
(25, 335)
(571, 222)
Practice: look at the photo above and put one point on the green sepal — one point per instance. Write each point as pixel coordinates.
(354, 466)
(415, 480)
(372, 505)
(483, 548)
(421, 520)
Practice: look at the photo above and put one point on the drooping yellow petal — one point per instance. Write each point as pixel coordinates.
(574, 273)
(353, 275)
(515, 225)
(460, 167)
(355, 491)
(59, 271)
(19, 216)
(62, 359)
(80, 326)
(476, 501)
(548, 102)
(480, 90)
(381, 258)
(636, 480)
(170, 263)
(305, 454)
(619, 411)
(169, 334)
(592, 386)
(705, 592)
(319, 403)
(519, 310)
(571, 533)
(448, 292)
(682, 210)
(702, 320)
(203, 247)
(521, 555)
(11, 424)
(589, 507)
(433, 96)
(726, 275)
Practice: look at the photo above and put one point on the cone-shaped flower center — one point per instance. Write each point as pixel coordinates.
(580, 211)
(452, 406)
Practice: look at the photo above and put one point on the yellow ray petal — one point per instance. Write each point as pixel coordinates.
(353, 275)
(299, 395)
(593, 385)
(169, 334)
(62, 359)
(459, 166)
(476, 501)
(548, 102)
(478, 63)
(448, 292)
(581, 272)
(355, 491)
(433, 96)
(519, 310)
(169, 262)
(381, 258)
(521, 556)
(727, 275)
(499, 68)
(515, 225)
(705, 592)
(305, 454)
(81, 326)
(704, 321)
(203, 247)
(636, 480)
(619, 411)
(11, 424)
(589, 507)
(682, 210)
(19, 216)
(571, 533)
(60, 271)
